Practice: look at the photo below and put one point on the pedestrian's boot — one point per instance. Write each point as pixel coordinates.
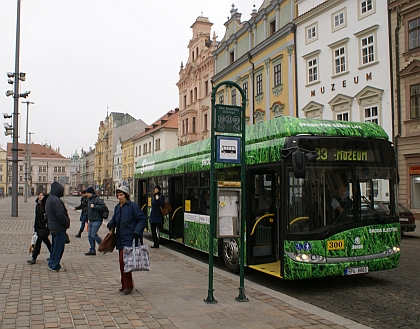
(32, 261)
(78, 235)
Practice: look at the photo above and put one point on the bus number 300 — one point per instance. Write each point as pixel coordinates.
(335, 244)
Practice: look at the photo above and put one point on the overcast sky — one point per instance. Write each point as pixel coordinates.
(81, 56)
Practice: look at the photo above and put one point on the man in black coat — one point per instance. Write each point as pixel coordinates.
(95, 208)
(58, 223)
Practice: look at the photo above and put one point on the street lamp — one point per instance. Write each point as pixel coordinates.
(17, 77)
(25, 197)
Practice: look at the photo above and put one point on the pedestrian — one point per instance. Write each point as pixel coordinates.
(95, 208)
(156, 217)
(129, 222)
(58, 223)
(40, 227)
(84, 214)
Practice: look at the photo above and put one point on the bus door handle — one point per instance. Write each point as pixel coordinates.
(259, 220)
(173, 214)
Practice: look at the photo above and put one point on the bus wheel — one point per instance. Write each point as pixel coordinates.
(231, 255)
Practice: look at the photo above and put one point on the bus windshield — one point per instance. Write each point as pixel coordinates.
(331, 199)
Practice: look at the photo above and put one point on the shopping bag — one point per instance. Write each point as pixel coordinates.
(136, 258)
(32, 245)
(108, 243)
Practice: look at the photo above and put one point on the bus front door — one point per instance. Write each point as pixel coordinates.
(176, 216)
(261, 223)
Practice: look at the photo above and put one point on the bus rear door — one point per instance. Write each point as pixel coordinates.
(261, 223)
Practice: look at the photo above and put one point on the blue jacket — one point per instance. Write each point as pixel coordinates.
(156, 216)
(58, 218)
(94, 214)
(127, 219)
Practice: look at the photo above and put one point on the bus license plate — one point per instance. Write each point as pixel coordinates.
(356, 270)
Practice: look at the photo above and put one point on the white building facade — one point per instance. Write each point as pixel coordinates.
(343, 63)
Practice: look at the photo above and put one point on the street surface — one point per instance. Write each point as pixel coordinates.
(382, 300)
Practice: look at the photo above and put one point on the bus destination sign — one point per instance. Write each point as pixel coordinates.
(228, 119)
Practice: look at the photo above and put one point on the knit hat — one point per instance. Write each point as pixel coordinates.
(124, 189)
(90, 190)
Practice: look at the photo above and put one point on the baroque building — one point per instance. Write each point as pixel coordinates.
(404, 32)
(258, 54)
(3, 172)
(105, 145)
(195, 85)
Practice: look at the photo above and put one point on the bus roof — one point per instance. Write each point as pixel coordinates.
(264, 142)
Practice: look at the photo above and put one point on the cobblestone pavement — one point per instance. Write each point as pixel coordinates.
(171, 295)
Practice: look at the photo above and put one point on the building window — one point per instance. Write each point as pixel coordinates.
(259, 84)
(195, 93)
(205, 122)
(414, 33)
(277, 75)
(193, 125)
(191, 97)
(221, 99)
(1, 178)
(232, 57)
(312, 70)
(366, 8)
(157, 146)
(368, 53)
(1, 167)
(20, 178)
(206, 88)
(185, 102)
(311, 33)
(339, 19)
(186, 126)
(233, 96)
(343, 116)
(272, 27)
(371, 114)
(20, 168)
(145, 148)
(340, 60)
(245, 89)
(415, 101)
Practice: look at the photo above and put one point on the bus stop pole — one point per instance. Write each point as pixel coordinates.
(213, 198)
(241, 297)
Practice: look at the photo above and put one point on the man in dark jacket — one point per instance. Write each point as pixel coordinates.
(58, 223)
(84, 215)
(95, 208)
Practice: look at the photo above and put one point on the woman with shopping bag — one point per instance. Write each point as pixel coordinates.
(129, 222)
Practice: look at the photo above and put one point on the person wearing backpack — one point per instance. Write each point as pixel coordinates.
(95, 208)
(156, 217)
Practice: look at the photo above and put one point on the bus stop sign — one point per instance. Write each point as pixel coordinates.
(228, 119)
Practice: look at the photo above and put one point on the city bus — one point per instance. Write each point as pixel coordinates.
(310, 191)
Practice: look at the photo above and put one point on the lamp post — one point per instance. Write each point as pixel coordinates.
(25, 197)
(30, 167)
(16, 120)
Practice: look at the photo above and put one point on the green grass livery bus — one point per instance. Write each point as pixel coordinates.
(310, 190)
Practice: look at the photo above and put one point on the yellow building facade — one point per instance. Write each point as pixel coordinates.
(128, 163)
(259, 56)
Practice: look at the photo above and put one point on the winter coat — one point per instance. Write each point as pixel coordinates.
(84, 203)
(156, 216)
(40, 223)
(95, 213)
(58, 218)
(127, 219)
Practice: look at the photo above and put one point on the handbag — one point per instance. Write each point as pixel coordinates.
(166, 209)
(32, 245)
(67, 239)
(108, 243)
(136, 258)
